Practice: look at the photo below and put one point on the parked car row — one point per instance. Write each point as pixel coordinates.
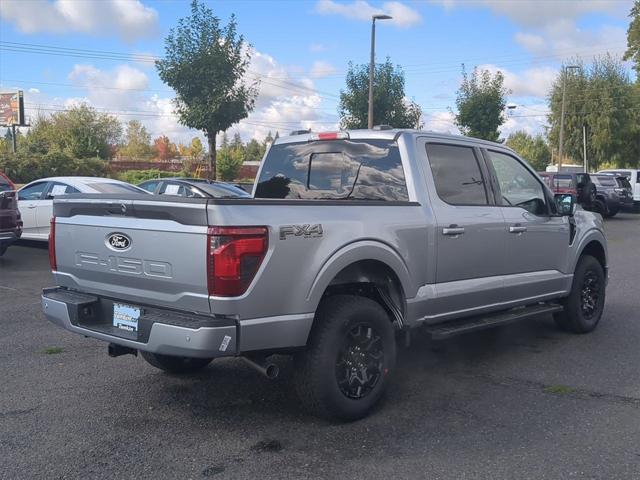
(26, 213)
(606, 192)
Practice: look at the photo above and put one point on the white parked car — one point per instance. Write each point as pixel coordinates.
(35, 200)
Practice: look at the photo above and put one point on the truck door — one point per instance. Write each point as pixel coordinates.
(537, 241)
(470, 240)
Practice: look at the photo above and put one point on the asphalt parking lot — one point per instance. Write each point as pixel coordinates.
(522, 401)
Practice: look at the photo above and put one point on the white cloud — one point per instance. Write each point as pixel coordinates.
(530, 118)
(565, 39)
(532, 82)
(440, 121)
(403, 16)
(287, 101)
(321, 69)
(530, 41)
(129, 19)
(117, 89)
(539, 13)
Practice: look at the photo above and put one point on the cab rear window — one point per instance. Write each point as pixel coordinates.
(334, 170)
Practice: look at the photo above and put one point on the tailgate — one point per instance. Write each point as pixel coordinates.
(134, 248)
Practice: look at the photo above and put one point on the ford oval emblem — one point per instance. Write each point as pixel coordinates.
(118, 241)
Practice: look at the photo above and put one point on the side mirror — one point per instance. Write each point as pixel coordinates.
(50, 196)
(565, 204)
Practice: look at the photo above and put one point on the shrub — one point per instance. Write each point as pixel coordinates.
(26, 167)
(135, 177)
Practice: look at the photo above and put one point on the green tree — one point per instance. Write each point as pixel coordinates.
(390, 106)
(137, 141)
(229, 163)
(237, 142)
(196, 150)
(205, 63)
(533, 149)
(633, 39)
(601, 96)
(80, 132)
(481, 100)
(254, 151)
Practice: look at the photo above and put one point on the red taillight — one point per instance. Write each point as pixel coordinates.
(52, 245)
(234, 255)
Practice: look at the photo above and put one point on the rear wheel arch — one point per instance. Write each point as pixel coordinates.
(372, 279)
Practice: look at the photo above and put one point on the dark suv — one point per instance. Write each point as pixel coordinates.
(10, 220)
(612, 194)
(579, 185)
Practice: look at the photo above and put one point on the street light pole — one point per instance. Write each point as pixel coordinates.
(372, 65)
(564, 92)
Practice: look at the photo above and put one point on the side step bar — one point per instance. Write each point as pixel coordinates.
(473, 324)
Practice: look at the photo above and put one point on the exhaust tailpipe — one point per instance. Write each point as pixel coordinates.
(268, 369)
(118, 350)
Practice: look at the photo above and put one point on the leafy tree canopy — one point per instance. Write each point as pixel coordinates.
(533, 149)
(205, 63)
(390, 106)
(633, 39)
(481, 100)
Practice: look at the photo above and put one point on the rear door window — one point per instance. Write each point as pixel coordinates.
(457, 175)
(172, 188)
(149, 186)
(607, 181)
(334, 170)
(32, 192)
(56, 188)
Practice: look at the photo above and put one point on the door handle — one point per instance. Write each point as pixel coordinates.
(31, 206)
(453, 230)
(517, 229)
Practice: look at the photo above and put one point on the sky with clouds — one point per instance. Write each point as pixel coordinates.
(62, 52)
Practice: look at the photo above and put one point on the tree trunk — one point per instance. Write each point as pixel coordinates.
(211, 137)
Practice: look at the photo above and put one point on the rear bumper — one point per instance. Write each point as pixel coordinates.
(169, 332)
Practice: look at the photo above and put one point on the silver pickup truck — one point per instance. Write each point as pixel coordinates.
(350, 240)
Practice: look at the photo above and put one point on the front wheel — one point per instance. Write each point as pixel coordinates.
(171, 364)
(585, 304)
(349, 360)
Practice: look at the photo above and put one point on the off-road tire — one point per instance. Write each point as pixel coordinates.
(588, 275)
(600, 207)
(171, 364)
(341, 321)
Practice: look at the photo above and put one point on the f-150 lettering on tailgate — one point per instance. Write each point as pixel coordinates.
(131, 266)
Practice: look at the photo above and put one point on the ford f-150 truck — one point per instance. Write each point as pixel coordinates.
(349, 240)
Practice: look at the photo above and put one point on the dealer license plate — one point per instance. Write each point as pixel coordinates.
(126, 317)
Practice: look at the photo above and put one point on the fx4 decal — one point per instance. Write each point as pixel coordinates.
(304, 231)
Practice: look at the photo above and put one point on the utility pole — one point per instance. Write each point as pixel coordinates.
(372, 65)
(584, 147)
(14, 140)
(564, 92)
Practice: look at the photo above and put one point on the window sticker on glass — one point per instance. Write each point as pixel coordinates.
(171, 189)
(58, 190)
